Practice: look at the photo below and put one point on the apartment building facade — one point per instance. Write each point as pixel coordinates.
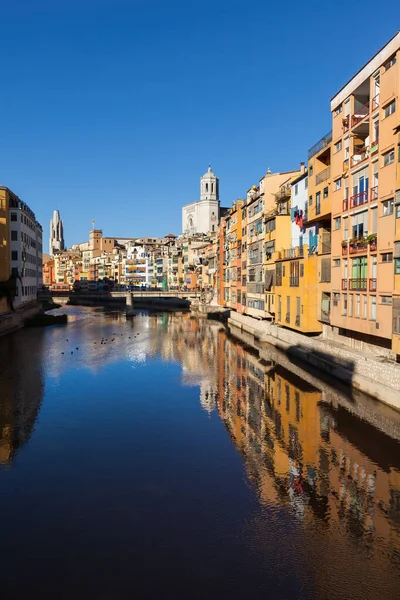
(364, 210)
(21, 252)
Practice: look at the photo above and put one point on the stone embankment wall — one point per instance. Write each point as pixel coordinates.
(14, 320)
(373, 375)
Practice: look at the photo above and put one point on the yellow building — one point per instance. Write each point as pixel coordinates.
(4, 236)
(318, 221)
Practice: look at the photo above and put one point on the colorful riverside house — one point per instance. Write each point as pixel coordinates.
(365, 118)
(276, 191)
(396, 293)
(233, 250)
(296, 281)
(242, 250)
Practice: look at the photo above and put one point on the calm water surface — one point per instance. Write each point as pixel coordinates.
(171, 461)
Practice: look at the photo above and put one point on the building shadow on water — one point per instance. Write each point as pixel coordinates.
(21, 387)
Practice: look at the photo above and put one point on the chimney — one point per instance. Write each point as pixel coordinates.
(302, 168)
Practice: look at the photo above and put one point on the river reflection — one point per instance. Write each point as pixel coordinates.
(310, 510)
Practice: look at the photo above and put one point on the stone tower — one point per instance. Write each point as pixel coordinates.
(202, 216)
(56, 242)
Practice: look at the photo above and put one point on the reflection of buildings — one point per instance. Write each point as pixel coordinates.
(21, 390)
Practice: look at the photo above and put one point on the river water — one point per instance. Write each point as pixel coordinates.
(171, 461)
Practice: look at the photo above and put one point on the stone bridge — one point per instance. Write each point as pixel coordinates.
(159, 299)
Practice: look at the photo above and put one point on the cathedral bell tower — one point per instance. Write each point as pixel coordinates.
(209, 186)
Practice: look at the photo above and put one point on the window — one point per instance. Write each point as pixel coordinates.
(338, 184)
(397, 266)
(338, 146)
(14, 236)
(338, 221)
(390, 108)
(325, 270)
(338, 110)
(336, 299)
(14, 255)
(310, 201)
(387, 207)
(365, 306)
(296, 189)
(358, 305)
(387, 300)
(390, 62)
(306, 179)
(387, 257)
(318, 203)
(326, 192)
(373, 308)
(344, 306)
(397, 211)
(310, 168)
(388, 158)
(350, 305)
(336, 262)
(14, 216)
(301, 270)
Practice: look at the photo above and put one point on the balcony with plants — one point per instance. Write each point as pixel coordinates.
(360, 245)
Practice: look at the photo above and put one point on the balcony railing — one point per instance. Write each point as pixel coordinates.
(284, 193)
(320, 145)
(360, 114)
(294, 281)
(359, 246)
(323, 176)
(359, 156)
(358, 284)
(346, 124)
(374, 193)
(372, 285)
(345, 248)
(375, 102)
(255, 288)
(297, 252)
(344, 284)
(359, 199)
(346, 204)
(374, 147)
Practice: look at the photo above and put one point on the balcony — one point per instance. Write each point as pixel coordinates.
(359, 199)
(297, 252)
(323, 142)
(255, 288)
(346, 124)
(360, 114)
(323, 176)
(372, 285)
(358, 246)
(359, 156)
(284, 193)
(358, 285)
(345, 248)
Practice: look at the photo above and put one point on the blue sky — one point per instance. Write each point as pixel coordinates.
(112, 109)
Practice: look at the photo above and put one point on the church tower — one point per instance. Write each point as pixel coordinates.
(209, 186)
(202, 216)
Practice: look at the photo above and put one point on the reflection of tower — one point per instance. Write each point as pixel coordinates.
(56, 234)
(21, 391)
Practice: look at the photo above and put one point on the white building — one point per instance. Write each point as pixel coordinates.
(202, 216)
(25, 250)
(56, 242)
(139, 269)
